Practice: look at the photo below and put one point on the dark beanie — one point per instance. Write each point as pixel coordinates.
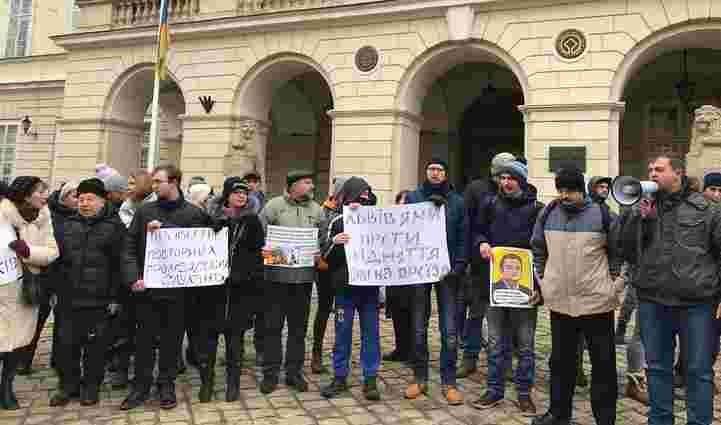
(22, 187)
(295, 175)
(228, 186)
(93, 185)
(438, 161)
(712, 179)
(570, 178)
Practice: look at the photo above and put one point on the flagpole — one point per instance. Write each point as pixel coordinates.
(153, 143)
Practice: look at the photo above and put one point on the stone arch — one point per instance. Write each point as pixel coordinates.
(438, 60)
(692, 34)
(124, 112)
(418, 81)
(254, 94)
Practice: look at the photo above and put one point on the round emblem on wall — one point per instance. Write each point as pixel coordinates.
(571, 44)
(366, 58)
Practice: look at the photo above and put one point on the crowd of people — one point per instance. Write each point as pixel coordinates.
(89, 237)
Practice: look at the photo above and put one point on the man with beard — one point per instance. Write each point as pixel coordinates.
(160, 312)
(437, 190)
(288, 290)
(92, 249)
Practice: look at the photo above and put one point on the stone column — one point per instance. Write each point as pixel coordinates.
(381, 145)
(705, 148)
(594, 126)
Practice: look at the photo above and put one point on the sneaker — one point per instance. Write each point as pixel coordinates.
(135, 399)
(336, 388)
(269, 384)
(62, 398)
(393, 356)
(549, 419)
(453, 396)
(636, 388)
(413, 391)
(166, 394)
(487, 401)
(526, 406)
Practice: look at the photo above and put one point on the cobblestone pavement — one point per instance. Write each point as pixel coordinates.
(288, 407)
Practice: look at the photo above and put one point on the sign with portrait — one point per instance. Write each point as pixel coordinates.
(511, 277)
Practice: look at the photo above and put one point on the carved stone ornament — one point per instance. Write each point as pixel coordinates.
(706, 127)
(571, 44)
(366, 58)
(247, 132)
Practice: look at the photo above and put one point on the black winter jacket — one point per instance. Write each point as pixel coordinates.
(677, 253)
(92, 250)
(181, 214)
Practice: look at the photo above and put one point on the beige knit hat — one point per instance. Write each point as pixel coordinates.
(499, 160)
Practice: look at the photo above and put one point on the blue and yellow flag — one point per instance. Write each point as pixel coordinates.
(163, 41)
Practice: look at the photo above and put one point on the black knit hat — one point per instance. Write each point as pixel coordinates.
(295, 175)
(712, 179)
(570, 178)
(93, 185)
(228, 186)
(438, 161)
(22, 187)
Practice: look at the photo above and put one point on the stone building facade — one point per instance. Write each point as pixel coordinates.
(359, 87)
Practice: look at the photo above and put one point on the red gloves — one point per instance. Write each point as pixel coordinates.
(20, 247)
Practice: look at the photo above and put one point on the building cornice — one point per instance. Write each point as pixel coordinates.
(598, 106)
(396, 113)
(33, 85)
(102, 122)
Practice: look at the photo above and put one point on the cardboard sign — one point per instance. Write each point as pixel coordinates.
(511, 277)
(8, 259)
(186, 258)
(393, 246)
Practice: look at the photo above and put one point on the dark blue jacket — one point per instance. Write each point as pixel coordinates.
(506, 222)
(455, 233)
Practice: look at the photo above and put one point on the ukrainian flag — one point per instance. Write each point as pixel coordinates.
(163, 41)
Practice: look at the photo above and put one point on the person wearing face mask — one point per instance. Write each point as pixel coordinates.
(675, 240)
(349, 299)
(92, 249)
(227, 309)
(574, 254)
(509, 219)
(25, 209)
(437, 190)
(288, 290)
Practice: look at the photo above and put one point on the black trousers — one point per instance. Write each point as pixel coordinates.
(326, 296)
(598, 330)
(285, 302)
(398, 305)
(163, 319)
(83, 334)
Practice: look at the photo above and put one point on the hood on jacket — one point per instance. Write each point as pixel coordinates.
(593, 182)
(351, 191)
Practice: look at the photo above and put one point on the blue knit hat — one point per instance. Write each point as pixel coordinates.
(516, 169)
(711, 179)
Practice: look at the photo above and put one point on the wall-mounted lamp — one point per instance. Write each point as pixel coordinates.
(27, 127)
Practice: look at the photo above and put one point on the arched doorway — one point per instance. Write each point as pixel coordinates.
(127, 120)
(465, 98)
(290, 95)
(662, 81)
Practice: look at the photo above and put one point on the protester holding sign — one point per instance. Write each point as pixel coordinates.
(92, 249)
(437, 190)
(228, 308)
(288, 287)
(25, 209)
(364, 299)
(572, 252)
(507, 221)
(160, 312)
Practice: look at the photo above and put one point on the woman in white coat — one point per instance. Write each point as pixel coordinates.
(26, 210)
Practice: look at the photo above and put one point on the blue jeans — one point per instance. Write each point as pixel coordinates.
(420, 315)
(504, 326)
(365, 301)
(694, 325)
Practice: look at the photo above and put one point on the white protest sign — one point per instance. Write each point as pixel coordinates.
(186, 257)
(400, 245)
(291, 246)
(8, 259)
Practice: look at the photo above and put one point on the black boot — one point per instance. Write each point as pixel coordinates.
(233, 368)
(207, 379)
(335, 388)
(8, 400)
(621, 332)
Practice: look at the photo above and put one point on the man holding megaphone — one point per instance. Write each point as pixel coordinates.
(674, 238)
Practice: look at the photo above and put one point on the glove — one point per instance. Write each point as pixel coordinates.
(114, 309)
(438, 200)
(220, 223)
(20, 247)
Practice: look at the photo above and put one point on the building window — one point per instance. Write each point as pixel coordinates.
(19, 28)
(8, 137)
